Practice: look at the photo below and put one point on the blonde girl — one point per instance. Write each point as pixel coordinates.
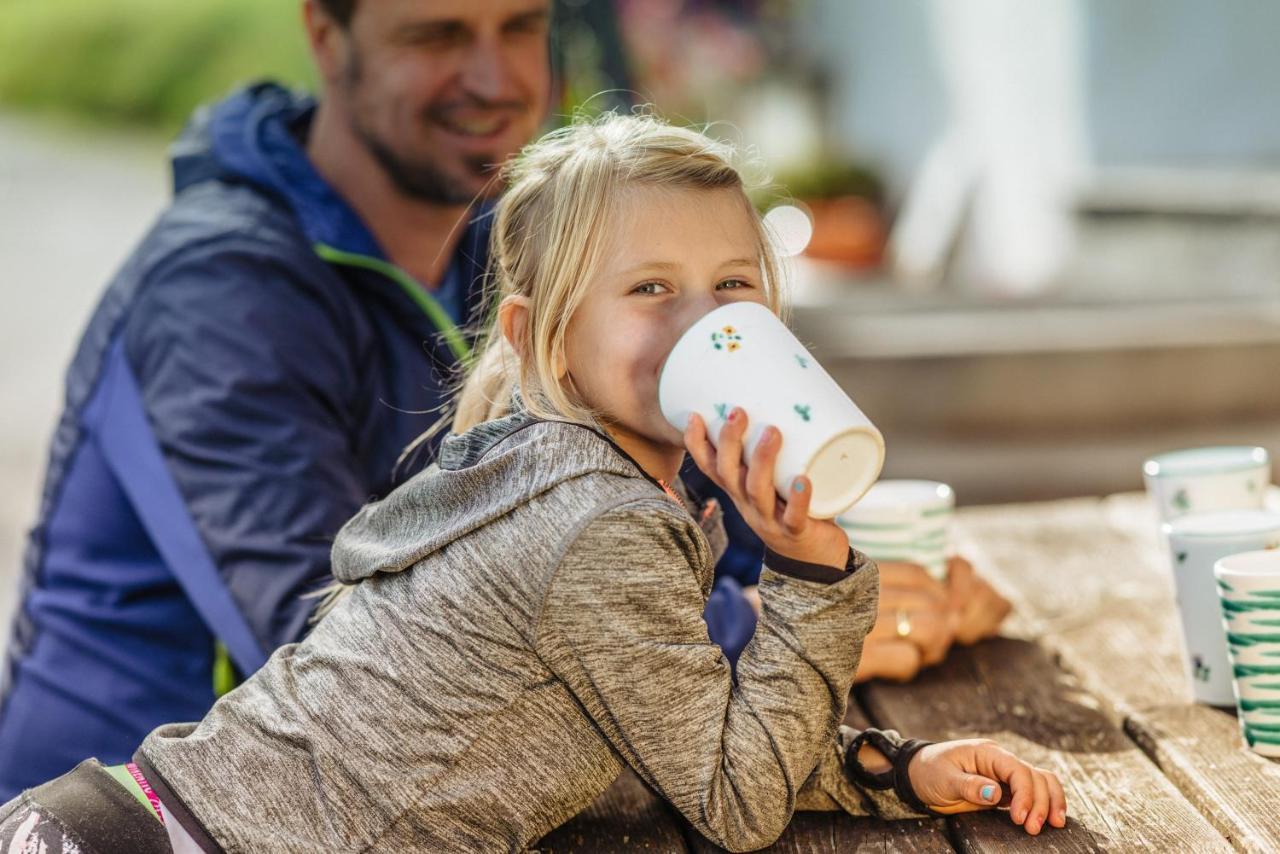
(524, 618)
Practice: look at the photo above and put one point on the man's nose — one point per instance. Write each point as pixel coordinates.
(485, 73)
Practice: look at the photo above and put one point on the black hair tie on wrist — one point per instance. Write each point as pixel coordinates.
(899, 753)
(902, 780)
(853, 765)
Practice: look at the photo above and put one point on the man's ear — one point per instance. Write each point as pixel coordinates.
(513, 320)
(326, 38)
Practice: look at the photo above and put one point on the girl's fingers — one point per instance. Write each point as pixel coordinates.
(699, 446)
(1017, 774)
(1057, 800)
(980, 791)
(796, 514)
(760, 474)
(729, 455)
(1040, 804)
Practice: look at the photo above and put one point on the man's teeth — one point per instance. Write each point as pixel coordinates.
(475, 127)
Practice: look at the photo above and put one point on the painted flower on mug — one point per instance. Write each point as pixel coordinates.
(726, 338)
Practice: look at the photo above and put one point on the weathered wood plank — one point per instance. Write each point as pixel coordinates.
(1095, 593)
(827, 833)
(1104, 560)
(627, 817)
(1199, 749)
(1011, 691)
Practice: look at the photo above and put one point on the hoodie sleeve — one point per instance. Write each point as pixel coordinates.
(241, 369)
(622, 626)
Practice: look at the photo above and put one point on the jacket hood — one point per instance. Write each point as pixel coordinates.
(256, 136)
(479, 476)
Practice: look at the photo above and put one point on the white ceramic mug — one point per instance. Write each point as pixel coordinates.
(1198, 480)
(1196, 542)
(904, 520)
(743, 355)
(1249, 587)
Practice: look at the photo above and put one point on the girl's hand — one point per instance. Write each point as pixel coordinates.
(965, 776)
(784, 526)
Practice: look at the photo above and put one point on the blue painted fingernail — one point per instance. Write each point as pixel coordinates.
(988, 792)
(798, 485)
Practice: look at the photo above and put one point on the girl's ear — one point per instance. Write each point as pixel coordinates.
(513, 320)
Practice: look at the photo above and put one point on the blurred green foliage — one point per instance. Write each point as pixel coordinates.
(144, 61)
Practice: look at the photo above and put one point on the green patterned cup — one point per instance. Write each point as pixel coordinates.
(1249, 588)
(1196, 480)
(904, 520)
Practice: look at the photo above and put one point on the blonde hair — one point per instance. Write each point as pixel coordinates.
(550, 236)
(548, 240)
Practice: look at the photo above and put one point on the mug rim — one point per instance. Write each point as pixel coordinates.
(1155, 465)
(1247, 564)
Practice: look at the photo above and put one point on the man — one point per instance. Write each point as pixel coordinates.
(249, 379)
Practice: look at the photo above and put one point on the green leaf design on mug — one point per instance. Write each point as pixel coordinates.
(722, 411)
(804, 411)
(1182, 557)
(802, 361)
(1181, 500)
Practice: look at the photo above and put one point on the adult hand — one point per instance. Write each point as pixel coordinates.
(915, 611)
(978, 608)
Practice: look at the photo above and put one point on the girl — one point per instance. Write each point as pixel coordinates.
(524, 617)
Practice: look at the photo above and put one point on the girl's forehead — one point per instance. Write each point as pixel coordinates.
(668, 224)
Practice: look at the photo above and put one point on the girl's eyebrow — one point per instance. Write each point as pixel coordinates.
(672, 265)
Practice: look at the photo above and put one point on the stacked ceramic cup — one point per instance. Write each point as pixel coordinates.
(904, 520)
(1202, 479)
(1249, 586)
(1197, 542)
(1210, 501)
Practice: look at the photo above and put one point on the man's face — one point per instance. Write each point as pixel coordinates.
(442, 91)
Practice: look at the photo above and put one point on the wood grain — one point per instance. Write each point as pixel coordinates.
(1010, 690)
(627, 817)
(1091, 580)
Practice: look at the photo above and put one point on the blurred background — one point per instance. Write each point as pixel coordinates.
(1045, 236)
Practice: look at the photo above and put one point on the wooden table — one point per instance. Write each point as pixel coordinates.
(1087, 681)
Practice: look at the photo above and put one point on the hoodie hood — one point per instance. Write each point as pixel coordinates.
(480, 476)
(256, 136)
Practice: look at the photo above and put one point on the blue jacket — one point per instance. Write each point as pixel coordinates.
(246, 384)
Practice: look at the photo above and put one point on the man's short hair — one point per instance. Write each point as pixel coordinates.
(339, 10)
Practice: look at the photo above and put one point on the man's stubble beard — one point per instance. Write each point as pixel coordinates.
(422, 181)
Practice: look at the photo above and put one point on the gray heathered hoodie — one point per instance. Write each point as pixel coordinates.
(528, 619)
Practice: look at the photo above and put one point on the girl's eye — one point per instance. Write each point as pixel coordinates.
(737, 284)
(648, 288)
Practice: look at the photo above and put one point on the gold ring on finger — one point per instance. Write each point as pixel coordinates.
(903, 621)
